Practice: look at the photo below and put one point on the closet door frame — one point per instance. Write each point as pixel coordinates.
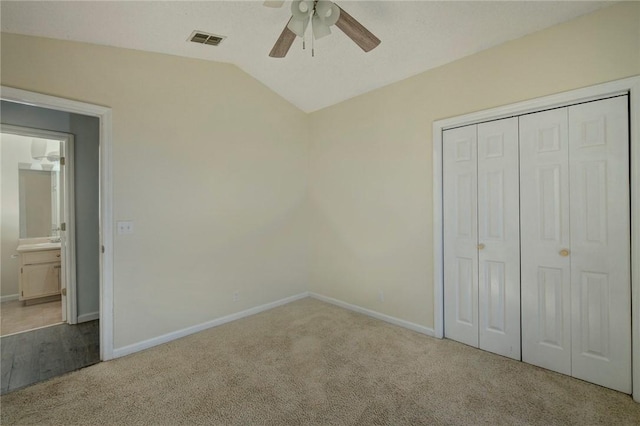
(630, 86)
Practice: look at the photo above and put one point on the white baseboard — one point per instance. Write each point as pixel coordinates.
(9, 297)
(392, 320)
(165, 338)
(88, 317)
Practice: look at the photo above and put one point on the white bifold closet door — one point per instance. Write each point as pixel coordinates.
(460, 212)
(544, 210)
(575, 232)
(481, 236)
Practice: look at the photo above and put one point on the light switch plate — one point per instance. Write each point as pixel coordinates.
(124, 227)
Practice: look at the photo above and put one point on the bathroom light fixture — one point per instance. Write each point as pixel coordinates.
(53, 156)
(38, 149)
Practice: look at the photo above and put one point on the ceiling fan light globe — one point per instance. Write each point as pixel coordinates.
(328, 12)
(320, 29)
(323, 8)
(298, 27)
(301, 9)
(334, 15)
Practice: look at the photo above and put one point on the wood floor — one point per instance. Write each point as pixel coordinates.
(38, 355)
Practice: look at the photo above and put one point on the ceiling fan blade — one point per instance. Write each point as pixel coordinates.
(356, 32)
(273, 3)
(283, 43)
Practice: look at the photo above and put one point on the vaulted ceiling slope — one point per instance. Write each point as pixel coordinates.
(416, 36)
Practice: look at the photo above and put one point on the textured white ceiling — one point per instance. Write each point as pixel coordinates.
(416, 36)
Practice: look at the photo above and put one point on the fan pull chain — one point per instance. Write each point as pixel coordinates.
(313, 13)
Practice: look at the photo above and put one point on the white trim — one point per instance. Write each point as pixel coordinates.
(165, 338)
(9, 297)
(539, 104)
(438, 235)
(106, 193)
(377, 315)
(33, 132)
(628, 85)
(88, 317)
(69, 255)
(634, 105)
(106, 236)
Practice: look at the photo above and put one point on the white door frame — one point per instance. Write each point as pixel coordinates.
(628, 85)
(70, 314)
(106, 195)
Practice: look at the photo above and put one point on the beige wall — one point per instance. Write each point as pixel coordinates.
(371, 166)
(209, 164)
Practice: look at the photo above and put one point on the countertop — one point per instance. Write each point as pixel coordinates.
(37, 245)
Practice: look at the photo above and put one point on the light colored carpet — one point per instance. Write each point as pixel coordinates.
(313, 363)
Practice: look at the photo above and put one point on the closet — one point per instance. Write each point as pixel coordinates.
(536, 237)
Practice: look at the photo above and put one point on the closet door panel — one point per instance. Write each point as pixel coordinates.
(499, 237)
(460, 234)
(600, 240)
(544, 219)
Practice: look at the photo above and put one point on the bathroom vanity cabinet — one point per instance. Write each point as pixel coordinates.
(39, 274)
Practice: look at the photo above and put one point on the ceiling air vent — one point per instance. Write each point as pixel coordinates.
(205, 38)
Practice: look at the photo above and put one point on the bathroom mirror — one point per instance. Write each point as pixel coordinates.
(38, 203)
(31, 180)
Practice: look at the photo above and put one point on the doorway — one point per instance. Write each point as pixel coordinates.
(40, 335)
(90, 341)
(104, 190)
(37, 229)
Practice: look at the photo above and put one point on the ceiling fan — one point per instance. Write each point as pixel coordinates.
(321, 14)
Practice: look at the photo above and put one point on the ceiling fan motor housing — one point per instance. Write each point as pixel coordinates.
(322, 14)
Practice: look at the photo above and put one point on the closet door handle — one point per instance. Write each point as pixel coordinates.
(564, 252)
(480, 246)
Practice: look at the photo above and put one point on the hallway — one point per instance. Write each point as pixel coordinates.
(47, 352)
